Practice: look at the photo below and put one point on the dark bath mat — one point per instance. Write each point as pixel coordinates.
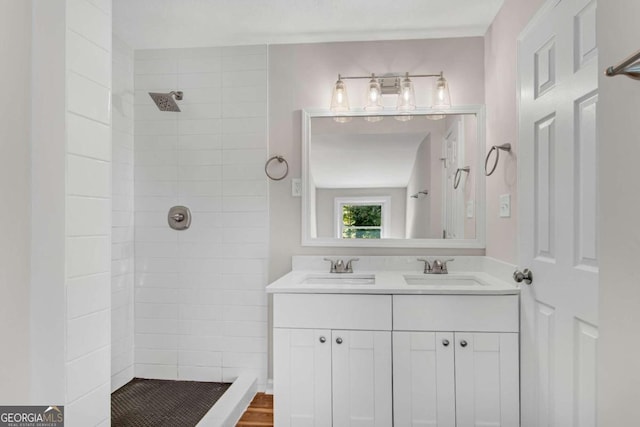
(163, 403)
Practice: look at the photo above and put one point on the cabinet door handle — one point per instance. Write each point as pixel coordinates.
(323, 340)
(463, 343)
(445, 343)
(339, 340)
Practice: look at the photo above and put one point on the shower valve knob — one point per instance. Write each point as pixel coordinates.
(179, 218)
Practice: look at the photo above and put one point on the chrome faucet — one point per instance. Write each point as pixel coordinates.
(427, 265)
(339, 266)
(436, 267)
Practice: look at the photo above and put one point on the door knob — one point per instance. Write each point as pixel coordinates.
(525, 276)
(463, 343)
(323, 340)
(445, 343)
(339, 340)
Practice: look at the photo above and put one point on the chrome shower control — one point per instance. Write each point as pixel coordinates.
(179, 218)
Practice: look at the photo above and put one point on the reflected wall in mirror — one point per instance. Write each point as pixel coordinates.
(387, 181)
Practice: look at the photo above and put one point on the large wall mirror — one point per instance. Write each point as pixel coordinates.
(389, 180)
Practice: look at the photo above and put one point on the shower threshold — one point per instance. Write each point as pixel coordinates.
(150, 402)
(160, 403)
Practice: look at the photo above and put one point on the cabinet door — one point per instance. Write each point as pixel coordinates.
(302, 377)
(487, 380)
(423, 379)
(362, 395)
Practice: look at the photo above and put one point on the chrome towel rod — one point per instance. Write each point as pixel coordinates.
(630, 67)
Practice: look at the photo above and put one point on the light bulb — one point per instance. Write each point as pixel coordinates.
(374, 100)
(406, 98)
(441, 97)
(339, 97)
(440, 93)
(373, 95)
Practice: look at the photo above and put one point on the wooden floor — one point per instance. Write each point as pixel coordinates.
(259, 413)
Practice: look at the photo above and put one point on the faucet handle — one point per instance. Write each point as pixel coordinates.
(427, 265)
(349, 267)
(332, 269)
(444, 265)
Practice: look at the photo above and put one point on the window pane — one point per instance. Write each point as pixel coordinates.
(362, 215)
(361, 233)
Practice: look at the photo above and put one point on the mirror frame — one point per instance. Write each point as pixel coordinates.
(480, 212)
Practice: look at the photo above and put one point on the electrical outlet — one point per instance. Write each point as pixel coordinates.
(505, 205)
(470, 209)
(296, 187)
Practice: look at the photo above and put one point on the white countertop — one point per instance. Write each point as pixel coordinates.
(392, 282)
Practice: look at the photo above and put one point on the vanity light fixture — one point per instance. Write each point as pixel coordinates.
(397, 84)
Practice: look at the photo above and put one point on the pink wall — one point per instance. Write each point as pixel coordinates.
(500, 46)
(300, 76)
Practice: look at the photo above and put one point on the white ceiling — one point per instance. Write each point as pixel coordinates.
(363, 161)
(361, 154)
(194, 23)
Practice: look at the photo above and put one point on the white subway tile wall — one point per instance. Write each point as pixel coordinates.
(122, 253)
(200, 305)
(88, 211)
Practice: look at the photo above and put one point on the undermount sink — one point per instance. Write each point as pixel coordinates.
(339, 279)
(440, 280)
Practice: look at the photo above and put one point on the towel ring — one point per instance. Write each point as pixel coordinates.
(496, 148)
(280, 159)
(456, 179)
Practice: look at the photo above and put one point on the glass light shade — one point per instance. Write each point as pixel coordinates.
(374, 96)
(435, 116)
(342, 119)
(339, 98)
(441, 96)
(373, 119)
(406, 97)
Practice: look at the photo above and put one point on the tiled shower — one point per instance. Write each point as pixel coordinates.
(190, 305)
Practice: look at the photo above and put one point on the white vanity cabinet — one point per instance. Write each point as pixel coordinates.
(455, 360)
(332, 360)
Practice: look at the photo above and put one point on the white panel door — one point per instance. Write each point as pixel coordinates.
(423, 379)
(453, 206)
(302, 377)
(557, 209)
(362, 395)
(486, 377)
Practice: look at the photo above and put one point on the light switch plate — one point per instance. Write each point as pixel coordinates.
(470, 209)
(296, 187)
(505, 205)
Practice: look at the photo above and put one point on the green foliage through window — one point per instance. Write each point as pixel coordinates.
(361, 221)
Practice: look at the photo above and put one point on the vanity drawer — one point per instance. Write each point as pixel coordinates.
(332, 311)
(469, 313)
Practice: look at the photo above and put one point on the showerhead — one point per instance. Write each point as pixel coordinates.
(165, 101)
